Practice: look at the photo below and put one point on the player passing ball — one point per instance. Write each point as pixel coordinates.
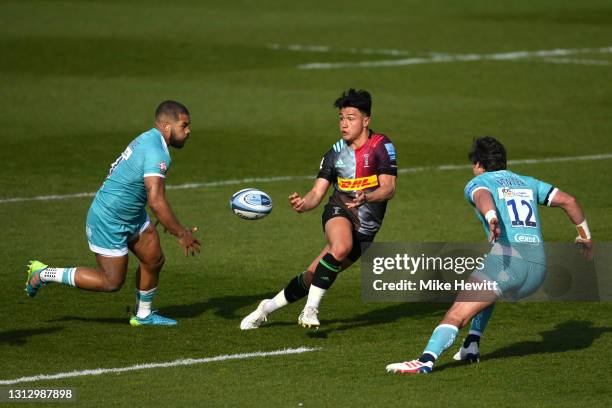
(507, 204)
(117, 220)
(362, 169)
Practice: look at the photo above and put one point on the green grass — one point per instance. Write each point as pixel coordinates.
(82, 78)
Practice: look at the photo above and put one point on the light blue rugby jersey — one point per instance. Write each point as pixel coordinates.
(516, 200)
(123, 196)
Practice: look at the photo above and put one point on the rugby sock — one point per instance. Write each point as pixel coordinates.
(296, 289)
(276, 303)
(442, 338)
(60, 275)
(144, 298)
(478, 325)
(324, 276)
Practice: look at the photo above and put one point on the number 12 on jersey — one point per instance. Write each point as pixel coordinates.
(519, 204)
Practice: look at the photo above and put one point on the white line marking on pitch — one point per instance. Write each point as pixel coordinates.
(175, 363)
(443, 58)
(254, 180)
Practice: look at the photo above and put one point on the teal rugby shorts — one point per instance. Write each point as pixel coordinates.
(516, 277)
(110, 238)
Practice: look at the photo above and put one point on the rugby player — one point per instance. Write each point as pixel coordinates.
(362, 168)
(117, 220)
(506, 203)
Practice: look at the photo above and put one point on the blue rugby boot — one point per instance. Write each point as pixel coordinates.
(152, 320)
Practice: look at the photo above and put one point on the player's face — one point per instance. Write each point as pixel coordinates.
(179, 131)
(353, 123)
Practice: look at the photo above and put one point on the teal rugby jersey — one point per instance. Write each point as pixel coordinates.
(516, 200)
(123, 196)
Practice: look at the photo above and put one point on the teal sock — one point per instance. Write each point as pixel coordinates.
(144, 299)
(442, 338)
(480, 321)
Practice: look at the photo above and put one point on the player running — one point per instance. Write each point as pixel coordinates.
(362, 168)
(506, 203)
(117, 219)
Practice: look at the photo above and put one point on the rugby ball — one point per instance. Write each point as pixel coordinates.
(251, 204)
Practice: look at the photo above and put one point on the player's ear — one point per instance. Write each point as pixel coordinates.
(366, 121)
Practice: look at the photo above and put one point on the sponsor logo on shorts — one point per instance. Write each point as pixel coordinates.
(163, 167)
(357, 183)
(527, 238)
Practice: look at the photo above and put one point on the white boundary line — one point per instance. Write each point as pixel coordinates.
(433, 58)
(256, 180)
(175, 363)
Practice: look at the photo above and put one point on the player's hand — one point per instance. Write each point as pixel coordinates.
(188, 242)
(494, 230)
(359, 200)
(586, 247)
(297, 202)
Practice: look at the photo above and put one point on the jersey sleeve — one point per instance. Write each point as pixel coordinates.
(386, 159)
(545, 192)
(156, 163)
(327, 170)
(472, 186)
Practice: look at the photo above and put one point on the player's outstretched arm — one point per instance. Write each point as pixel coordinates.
(312, 199)
(156, 198)
(572, 208)
(486, 206)
(384, 192)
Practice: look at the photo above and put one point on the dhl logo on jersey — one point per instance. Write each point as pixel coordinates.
(346, 184)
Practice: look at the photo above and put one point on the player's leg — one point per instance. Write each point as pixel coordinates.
(470, 349)
(108, 277)
(147, 248)
(445, 333)
(339, 235)
(296, 289)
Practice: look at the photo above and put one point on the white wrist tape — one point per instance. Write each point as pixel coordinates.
(583, 230)
(490, 215)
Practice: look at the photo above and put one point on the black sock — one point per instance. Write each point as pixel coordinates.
(426, 357)
(326, 272)
(296, 289)
(470, 339)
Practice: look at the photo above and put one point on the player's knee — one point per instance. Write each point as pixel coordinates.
(114, 282)
(456, 319)
(308, 276)
(161, 260)
(341, 251)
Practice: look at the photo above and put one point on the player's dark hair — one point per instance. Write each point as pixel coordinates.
(489, 152)
(360, 99)
(170, 109)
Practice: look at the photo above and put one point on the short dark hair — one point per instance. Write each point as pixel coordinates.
(360, 99)
(171, 109)
(489, 152)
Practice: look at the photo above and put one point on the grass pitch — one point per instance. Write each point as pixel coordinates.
(81, 79)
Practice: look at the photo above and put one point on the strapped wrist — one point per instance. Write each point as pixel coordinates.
(583, 230)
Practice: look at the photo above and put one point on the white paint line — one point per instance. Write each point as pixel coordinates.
(576, 61)
(175, 363)
(259, 180)
(443, 58)
(326, 50)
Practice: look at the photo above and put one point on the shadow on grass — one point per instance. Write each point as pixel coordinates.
(20, 337)
(566, 336)
(110, 320)
(225, 306)
(383, 315)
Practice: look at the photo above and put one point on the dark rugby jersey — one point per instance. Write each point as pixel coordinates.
(353, 170)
